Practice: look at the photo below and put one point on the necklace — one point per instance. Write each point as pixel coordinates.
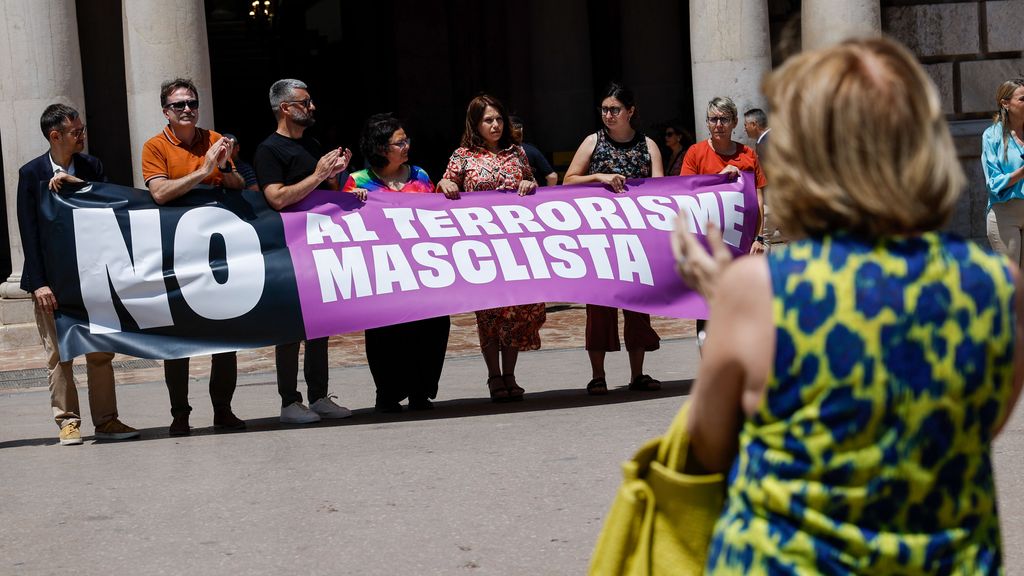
(626, 141)
(729, 151)
(395, 182)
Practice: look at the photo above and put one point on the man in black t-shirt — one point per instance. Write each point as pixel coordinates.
(289, 166)
(542, 170)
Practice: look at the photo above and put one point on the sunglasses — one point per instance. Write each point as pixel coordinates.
(180, 106)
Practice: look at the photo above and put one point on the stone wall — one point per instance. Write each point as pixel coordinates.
(968, 48)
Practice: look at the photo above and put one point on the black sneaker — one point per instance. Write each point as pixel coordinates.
(389, 408)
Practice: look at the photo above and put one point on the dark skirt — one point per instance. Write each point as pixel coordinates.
(406, 359)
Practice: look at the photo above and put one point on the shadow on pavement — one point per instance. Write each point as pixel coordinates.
(444, 409)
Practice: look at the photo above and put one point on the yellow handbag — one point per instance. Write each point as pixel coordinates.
(661, 520)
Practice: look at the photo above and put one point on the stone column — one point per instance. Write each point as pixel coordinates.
(825, 22)
(40, 64)
(730, 50)
(162, 41)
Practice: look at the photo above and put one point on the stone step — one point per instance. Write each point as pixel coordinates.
(17, 324)
(16, 311)
(14, 336)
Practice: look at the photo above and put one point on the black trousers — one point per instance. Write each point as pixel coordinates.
(314, 369)
(223, 377)
(406, 359)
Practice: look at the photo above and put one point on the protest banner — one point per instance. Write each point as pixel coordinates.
(219, 270)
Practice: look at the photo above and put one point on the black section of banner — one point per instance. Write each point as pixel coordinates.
(275, 318)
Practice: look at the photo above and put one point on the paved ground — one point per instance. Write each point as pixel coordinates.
(469, 488)
(20, 367)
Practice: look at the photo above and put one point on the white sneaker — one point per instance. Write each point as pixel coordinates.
(326, 408)
(297, 413)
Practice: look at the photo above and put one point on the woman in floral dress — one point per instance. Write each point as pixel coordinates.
(488, 159)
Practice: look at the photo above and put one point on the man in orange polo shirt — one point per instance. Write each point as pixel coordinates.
(179, 158)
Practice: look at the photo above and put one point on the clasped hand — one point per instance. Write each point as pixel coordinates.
(333, 163)
(218, 154)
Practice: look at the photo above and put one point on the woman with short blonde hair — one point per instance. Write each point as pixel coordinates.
(854, 381)
(846, 177)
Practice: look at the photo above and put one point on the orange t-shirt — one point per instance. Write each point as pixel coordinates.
(164, 155)
(701, 158)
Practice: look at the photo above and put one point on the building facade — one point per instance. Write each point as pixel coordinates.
(548, 61)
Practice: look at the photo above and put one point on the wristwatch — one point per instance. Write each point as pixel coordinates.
(226, 169)
(760, 239)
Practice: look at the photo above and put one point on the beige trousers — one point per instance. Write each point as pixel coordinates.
(63, 394)
(1005, 228)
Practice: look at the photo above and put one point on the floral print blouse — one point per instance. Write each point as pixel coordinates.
(478, 169)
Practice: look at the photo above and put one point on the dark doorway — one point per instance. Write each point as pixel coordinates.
(423, 60)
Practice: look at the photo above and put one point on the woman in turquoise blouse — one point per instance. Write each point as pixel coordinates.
(1002, 157)
(854, 381)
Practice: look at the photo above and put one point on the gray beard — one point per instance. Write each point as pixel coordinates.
(305, 121)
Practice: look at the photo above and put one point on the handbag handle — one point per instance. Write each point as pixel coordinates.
(676, 441)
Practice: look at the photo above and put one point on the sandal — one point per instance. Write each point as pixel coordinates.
(496, 385)
(515, 391)
(597, 387)
(644, 383)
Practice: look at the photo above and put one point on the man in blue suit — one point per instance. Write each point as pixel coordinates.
(64, 163)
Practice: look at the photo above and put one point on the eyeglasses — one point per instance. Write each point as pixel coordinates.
(180, 106)
(723, 120)
(76, 133)
(305, 102)
(610, 110)
(401, 144)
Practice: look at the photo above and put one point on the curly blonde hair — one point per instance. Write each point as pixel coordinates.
(859, 143)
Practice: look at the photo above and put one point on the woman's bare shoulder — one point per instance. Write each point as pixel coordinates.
(747, 276)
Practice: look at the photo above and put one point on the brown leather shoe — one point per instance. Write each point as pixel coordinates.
(226, 420)
(179, 426)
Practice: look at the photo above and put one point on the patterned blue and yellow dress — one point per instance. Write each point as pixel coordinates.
(871, 453)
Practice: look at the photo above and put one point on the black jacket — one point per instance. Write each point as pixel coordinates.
(88, 168)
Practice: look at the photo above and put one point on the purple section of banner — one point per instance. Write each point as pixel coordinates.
(401, 257)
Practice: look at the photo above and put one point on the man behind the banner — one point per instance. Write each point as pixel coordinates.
(289, 166)
(179, 158)
(64, 163)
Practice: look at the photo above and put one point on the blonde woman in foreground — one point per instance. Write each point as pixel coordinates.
(854, 382)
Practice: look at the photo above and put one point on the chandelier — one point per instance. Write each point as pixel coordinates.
(261, 10)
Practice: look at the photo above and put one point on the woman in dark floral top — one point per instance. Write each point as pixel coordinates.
(488, 159)
(610, 156)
